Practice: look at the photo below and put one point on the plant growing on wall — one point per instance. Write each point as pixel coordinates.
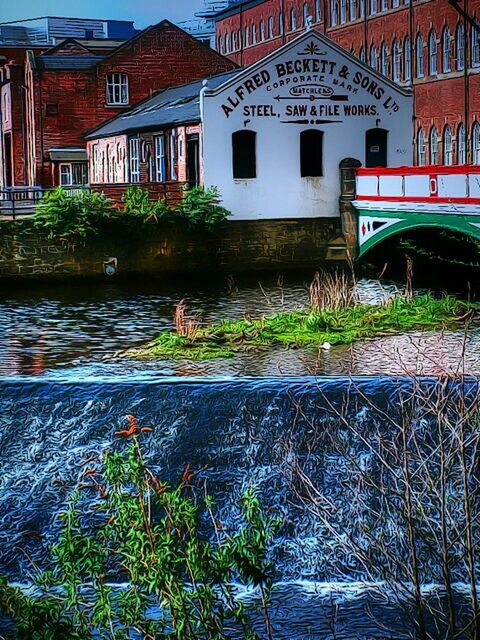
(72, 216)
(137, 558)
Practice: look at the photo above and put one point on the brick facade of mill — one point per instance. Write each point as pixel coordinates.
(425, 43)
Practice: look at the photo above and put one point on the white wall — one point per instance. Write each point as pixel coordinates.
(320, 66)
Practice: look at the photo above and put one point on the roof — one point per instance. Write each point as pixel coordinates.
(236, 7)
(61, 63)
(175, 106)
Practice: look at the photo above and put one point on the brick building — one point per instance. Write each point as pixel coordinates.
(432, 45)
(65, 91)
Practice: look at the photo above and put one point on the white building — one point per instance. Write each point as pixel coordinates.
(275, 134)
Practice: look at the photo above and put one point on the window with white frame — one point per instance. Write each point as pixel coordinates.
(172, 159)
(373, 7)
(225, 44)
(281, 25)
(270, 27)
(460, 46)
(333, 13)
(353, 10)
(475, 36)
(96, 164)
(396, 61)
(373, 57)
(447, 146)
(407, 59)
(262, 30)
(254, 33)
(160, 159)
(476, 143)
(446, 50)
(293, 20)
(117, 89)
(461, 145)
(384, 5)
(233, 40)
(384, 59)
(362, 54)
(134, 148)
(247, 36)
(362, 8)
(343, 11)
(419, 56)
(318, 10)
(73, 174)
(305, 14)
(434, 146)
(432, 53)
(421, 154)
(395, 3)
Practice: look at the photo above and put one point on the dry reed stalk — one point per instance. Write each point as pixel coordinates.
(185, 327)
(331, 291)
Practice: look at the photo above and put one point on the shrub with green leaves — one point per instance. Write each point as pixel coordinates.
(202, 207)
(73, 216)
(138, 559)
(138, 204)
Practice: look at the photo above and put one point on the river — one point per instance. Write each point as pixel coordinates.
(63, 394)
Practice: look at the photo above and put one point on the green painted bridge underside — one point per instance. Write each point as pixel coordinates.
(411, 220)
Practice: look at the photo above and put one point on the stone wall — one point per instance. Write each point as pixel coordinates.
(236, 246)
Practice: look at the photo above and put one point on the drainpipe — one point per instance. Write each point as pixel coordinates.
(40, 121)
(411, 18)
(242, 35)
(365, 30)
(284, 23)
(325, 10)
(466, 88)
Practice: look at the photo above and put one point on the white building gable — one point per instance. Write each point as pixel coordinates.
(310, 84)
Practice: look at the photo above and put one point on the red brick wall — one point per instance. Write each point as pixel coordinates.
(160, 57)
(438, 100)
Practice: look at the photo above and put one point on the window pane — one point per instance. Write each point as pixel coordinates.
(311, 153)
(244, 155)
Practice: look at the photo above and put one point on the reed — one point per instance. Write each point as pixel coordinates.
(184, 326)
(332, 290)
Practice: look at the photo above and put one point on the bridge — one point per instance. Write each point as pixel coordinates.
(390, 201)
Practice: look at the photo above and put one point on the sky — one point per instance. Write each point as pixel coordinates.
(142, 12)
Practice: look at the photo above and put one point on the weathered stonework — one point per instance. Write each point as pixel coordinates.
(236, 246)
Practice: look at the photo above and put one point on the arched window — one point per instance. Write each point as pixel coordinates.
(373, 57)
(476, 143)
(461, 145)
(396, 61)
(239, 33)
(407, 59)
(361, 55)
(373, 7)
(446, 50)
(270, 27)
(311, 153)
(333, 13)
(460, 46)
(305, 14)
(225, 44)
(419, 56)
(219, 44)
(233, 40)
(254, 33)
(362, 8)
(244, 154)
(395, 3)
(432, 53)
(343, 11)
(384, 5)
(447, 146)
(318, 10)
(281, 26)
(475, 38)
(247, 36)
(384, 59)
(421, 155)
(262, 30)
(293, 20)
(353, 10)
(433, 146)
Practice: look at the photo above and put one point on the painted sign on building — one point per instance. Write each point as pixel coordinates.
(300, 112)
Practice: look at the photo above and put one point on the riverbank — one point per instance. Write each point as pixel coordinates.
(308, 328)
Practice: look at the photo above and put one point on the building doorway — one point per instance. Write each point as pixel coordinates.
(193, 160)
(7, 149)
(376, 148)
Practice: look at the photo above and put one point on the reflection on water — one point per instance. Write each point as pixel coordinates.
(82, 327)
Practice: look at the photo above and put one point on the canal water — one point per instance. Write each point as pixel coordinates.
(64, 393)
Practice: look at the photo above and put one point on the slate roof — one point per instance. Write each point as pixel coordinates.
(170, 107)
(67, 62)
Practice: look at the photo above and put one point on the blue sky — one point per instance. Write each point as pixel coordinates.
(143, 12)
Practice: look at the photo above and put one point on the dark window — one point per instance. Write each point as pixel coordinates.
(244, 155)
(89, 34)
(311, 153)
(51, 109)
